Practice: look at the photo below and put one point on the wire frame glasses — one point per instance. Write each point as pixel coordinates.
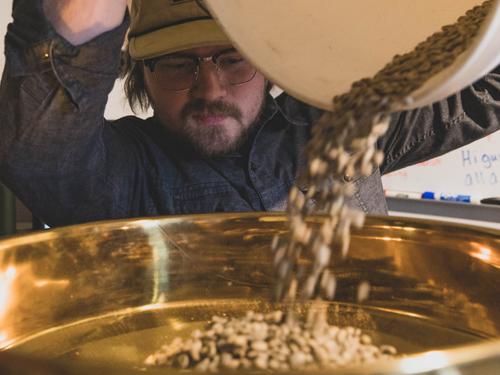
(179, 72)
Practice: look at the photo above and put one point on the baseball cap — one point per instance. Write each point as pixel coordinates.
(159, 27)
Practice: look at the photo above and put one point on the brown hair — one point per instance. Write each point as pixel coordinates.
(135, 88)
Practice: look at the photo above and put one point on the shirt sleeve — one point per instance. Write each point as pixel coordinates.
(52, 101)
(428, 132)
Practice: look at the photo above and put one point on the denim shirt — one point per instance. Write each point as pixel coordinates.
(70, 165)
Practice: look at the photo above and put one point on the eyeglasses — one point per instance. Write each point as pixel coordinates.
(178, 72)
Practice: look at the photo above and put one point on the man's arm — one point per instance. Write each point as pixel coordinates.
(428, 132)
(52, 100)
(79, 21)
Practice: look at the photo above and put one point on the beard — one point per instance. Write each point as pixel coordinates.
(215, 139)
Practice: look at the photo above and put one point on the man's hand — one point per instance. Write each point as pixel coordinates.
(78, 21)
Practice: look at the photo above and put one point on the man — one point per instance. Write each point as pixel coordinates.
(217, 141)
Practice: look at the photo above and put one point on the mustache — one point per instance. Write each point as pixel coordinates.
(211, 108)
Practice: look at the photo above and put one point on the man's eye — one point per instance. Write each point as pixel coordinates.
(231, 60)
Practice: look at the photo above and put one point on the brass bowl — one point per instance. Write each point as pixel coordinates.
(98, 298)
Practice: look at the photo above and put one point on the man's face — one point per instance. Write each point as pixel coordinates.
(213, 116)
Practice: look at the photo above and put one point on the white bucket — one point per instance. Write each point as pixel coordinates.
(315, 49)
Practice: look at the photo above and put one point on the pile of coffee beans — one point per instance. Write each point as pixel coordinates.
(272, 341)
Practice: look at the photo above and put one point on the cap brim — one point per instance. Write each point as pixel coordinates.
(177, 38)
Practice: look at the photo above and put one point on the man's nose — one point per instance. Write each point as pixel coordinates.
(209, 85)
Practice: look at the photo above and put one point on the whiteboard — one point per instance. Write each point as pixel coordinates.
(471, 170)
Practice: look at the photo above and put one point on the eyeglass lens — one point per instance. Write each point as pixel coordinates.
(178, 72)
